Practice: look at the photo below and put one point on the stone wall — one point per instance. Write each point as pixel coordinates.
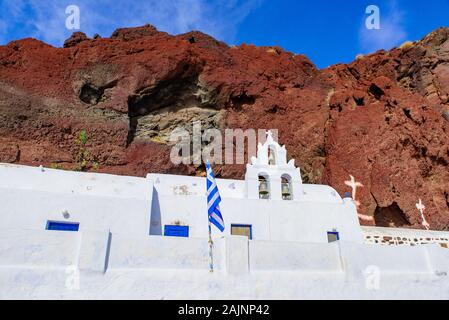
(404, 237)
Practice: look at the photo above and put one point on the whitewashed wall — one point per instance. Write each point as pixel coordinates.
(278, 256)
(163, 253)
(387, 259)
(115, 257)
(270, 220)
(116, 266)
(182, 200)
(30, 197)
(38, 249)
(126, 205)
(102, 251)
(136, 206)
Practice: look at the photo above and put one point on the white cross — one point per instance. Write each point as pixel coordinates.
(365, 217)
(362, 216)
(354, 185)
(420, 206)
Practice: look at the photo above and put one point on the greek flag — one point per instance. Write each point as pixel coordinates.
(213, 199)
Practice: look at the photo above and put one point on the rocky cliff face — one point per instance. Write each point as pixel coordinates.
(383, 118)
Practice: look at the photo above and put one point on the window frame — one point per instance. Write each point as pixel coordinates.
(240, 225)
(54, 225)
(336, 233)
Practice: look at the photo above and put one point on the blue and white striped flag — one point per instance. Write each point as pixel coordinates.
(213, 199)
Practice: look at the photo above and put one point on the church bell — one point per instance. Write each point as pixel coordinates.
(286, 194)
(263, 187)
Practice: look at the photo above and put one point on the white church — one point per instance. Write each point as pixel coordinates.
(72, 235)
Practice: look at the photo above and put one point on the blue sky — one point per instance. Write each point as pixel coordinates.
(326, 31)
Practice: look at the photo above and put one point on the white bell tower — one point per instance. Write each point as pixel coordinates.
(270, 177)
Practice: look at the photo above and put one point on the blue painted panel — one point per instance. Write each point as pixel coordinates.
(62, 226)
(176, 231)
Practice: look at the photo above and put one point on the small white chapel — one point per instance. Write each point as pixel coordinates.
(74, 235)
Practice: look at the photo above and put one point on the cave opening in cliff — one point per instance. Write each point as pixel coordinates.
(237, 102)
(90, 95)
(376, 91)
(164, 94)
(173, 95)
(391, 216)
(360, 101)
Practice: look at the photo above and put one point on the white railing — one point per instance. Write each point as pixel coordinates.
(404, 237)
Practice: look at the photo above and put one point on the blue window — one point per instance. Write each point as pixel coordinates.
(176, 231)
(242, 230)
(62, 226)
(333, 236)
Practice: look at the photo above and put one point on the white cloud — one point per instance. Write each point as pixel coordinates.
(391, 33)
(46, 19)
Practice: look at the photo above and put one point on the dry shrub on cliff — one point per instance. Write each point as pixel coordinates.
(406, 45)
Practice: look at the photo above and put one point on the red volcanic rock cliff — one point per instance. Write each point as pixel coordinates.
(383, 118)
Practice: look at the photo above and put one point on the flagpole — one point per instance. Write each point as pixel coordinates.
(211, 244)
(213, 210)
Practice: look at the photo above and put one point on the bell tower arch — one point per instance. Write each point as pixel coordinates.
(269, 176)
